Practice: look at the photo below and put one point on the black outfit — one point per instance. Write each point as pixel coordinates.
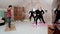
(39, 15)
(32, 15)
(57, 12)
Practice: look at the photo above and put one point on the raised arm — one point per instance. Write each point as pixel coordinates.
(29, 12)
(42, 11)
(55, 11)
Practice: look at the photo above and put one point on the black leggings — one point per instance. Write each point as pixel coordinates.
(38, 17)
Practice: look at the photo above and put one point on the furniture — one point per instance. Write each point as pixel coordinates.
(54, 29)
(50, 31)
(2, 17)
(19, 13)
(2, 21)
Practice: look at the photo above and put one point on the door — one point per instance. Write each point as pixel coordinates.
(18, 13)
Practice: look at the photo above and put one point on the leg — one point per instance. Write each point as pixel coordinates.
(9, 22)
(36, 20)
(56, 20)
(30, 18)
(43, 19)
(40, 18)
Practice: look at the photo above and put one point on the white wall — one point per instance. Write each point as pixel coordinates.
(29, 4)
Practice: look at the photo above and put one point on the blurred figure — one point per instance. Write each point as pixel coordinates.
(9, 15)
(31, 15)
(39, 15)
(57, 12)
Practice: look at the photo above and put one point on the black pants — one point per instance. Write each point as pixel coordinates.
(31, 17)
(9, 21)
(56, 20)
(40, 18)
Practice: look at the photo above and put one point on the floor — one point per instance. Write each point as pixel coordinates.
(26, 27)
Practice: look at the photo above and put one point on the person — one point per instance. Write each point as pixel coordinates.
(57, 12)
(9, 15)
(31, 15)
(39, 15)
(55, 29)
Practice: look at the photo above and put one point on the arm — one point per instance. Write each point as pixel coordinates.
(42, 11)
(55, 11)
(29, 12)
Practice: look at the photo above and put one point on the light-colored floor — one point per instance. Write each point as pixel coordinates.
(25, 28)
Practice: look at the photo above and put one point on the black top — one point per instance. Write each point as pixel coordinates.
(39, 13)
(57, 12)
(32, 13)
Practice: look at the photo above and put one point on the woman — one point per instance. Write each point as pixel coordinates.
(9, 15)
(31, 15)
(39, 15)
(57, 12)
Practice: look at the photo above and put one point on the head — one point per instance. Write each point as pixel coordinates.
(10, 6)
(34, 9)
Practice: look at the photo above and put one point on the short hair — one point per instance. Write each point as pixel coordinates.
(10, 6)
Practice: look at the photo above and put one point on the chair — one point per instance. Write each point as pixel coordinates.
(2, 21)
